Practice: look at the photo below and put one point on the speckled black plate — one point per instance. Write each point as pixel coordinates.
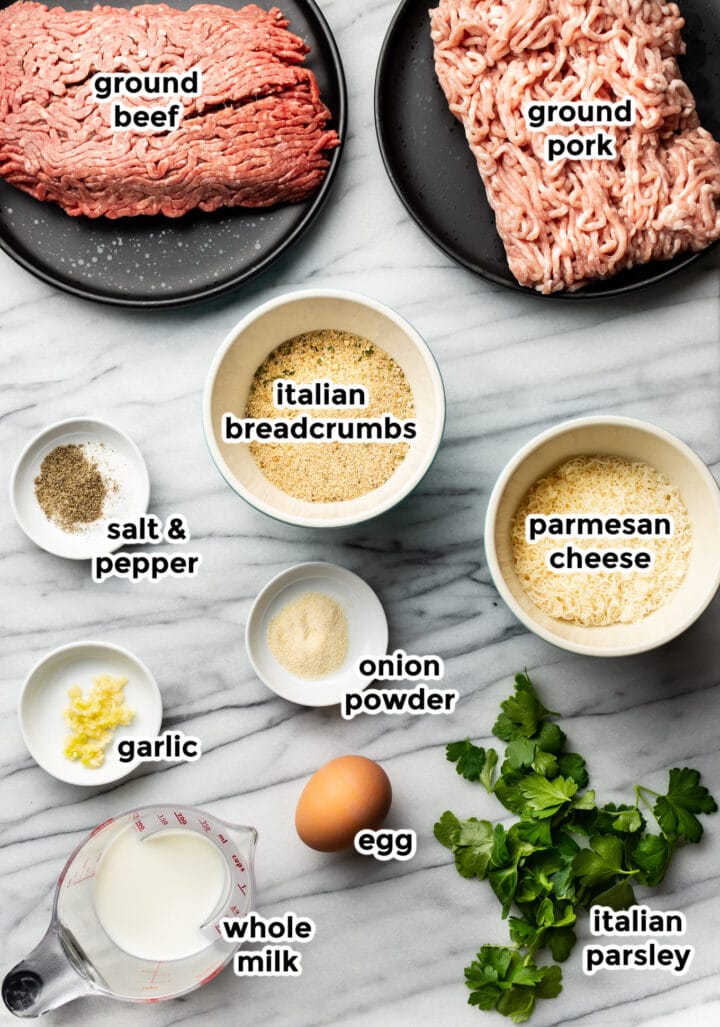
(435, 175)
(165, 262)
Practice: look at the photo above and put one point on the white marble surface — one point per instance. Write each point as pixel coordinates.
(392, 940)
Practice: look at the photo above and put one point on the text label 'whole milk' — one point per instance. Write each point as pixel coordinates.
(275, 959)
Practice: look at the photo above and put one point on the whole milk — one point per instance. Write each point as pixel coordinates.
(153, 894)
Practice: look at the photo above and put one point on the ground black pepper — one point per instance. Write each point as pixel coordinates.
(70, 488)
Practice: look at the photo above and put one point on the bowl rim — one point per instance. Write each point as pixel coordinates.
(308, 567)
(143, 483)
(126, 768)
(336, 521)
(498, 490)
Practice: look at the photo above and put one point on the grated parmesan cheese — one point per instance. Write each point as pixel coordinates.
(611, 486)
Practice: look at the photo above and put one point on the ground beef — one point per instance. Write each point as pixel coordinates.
(256, 137)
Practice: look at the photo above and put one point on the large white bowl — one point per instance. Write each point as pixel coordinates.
(634, 440)
(250, 342)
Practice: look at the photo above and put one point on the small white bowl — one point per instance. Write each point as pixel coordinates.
(44, 697)
(367, 631)
(633, 440)
(124, 464)
(249, 343)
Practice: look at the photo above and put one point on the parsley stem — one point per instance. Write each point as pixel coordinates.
(639, 797)
(644, 788)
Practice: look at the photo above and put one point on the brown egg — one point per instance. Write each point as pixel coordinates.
(340, 799)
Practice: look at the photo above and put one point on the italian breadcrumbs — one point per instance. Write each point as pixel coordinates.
(330, 472)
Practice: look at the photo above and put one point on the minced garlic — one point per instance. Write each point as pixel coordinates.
(93, 719)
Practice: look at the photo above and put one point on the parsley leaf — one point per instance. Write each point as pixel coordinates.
(500, 978)
(477, 845)
(545, 913)
(619, 896)
(525, 752)
(532, 883)
(518, 1004)
(676, 811)
(504, 882)
(563, 877)
(544, 798)
(536, 833)
(561, 941)
(651, 856)
(558, 935)
(545, 763)
(447, 829)
(586, 801)
(609, 819)
(521, 713)
(469, 759)
(628, 821)
(473, 847)
(507, 791)
(602, 860)
(520, 753)
(550, 738)
(601, 863)
(622, 819)
(550, 985)
(487, 773)
(571, 764)
(523, 933)
(500, 854)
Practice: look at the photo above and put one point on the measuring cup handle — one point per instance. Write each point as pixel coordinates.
(43, 981)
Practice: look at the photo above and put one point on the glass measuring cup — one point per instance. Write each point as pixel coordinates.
(76, 957)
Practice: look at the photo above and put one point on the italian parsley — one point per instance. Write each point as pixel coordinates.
(469, 759)
(566, 852)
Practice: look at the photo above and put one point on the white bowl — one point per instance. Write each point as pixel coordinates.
(44, 697)
(249, 343)
(634, 440)
(125, 465)
(367, 631)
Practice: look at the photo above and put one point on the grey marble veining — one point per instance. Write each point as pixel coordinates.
(392, 940)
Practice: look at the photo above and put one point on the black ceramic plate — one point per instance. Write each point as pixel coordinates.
(164, 262)
(435, 175)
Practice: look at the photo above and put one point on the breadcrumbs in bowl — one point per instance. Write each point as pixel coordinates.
(329, 472)
(346, 339)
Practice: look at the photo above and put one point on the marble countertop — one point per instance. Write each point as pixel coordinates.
(392, 939)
